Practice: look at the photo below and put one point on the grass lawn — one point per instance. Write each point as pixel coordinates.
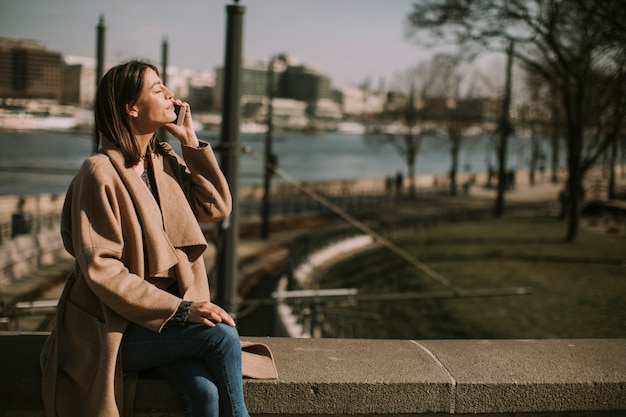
(577, 290)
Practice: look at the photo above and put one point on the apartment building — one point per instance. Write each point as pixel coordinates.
(28, 70)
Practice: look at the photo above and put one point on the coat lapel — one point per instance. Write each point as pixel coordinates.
(179, 220)
(166, 228)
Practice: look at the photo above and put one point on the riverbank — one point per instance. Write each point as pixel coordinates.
(477, 186)
(49, 204)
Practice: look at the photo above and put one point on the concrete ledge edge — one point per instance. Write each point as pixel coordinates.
(388, 377)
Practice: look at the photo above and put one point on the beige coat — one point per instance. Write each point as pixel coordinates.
(128, 249)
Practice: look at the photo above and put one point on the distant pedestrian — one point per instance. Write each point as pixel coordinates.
(138, 297)
(563, 197)
(490, 175)
(388, 184)
(466, 187)
(399, 182)
(21, 220)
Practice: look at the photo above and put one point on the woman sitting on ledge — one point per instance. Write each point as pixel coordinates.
(138, 297)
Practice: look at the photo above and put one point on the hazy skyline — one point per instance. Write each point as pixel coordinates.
(347, 40)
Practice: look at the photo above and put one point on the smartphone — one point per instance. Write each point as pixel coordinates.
(180, 114)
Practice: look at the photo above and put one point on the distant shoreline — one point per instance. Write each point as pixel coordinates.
(51, 203)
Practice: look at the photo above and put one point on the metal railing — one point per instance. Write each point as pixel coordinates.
(310, 314)
(25, 224)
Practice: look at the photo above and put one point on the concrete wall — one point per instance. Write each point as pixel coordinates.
(585, 377)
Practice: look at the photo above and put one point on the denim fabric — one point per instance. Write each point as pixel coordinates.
(202, 363)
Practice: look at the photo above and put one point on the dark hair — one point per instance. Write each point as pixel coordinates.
(121, 86)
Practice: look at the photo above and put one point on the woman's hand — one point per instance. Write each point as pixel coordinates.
(209, 314)
(184, 133)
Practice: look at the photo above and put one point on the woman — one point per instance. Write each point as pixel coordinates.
(138, 297)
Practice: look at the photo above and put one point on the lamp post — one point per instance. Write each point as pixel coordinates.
(231, 148)
(164, 46)
(164, 58)
(505, 130)
(100, 29)
(269, 158)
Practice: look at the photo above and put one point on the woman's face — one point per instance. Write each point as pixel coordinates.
(154, 107)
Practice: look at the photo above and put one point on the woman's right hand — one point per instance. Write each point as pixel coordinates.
(207, 313)
(184, 133)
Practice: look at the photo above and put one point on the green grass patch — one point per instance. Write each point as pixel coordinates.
(578, 290)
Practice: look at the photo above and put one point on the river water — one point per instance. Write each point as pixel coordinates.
(47, 160)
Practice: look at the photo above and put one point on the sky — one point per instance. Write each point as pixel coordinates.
(348, 40)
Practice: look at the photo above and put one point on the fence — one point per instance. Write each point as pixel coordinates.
(308, 312)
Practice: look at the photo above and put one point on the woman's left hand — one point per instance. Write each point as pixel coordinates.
(184, 133)
(209, 314)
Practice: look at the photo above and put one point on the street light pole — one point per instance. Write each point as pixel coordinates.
(505, 130)
(100, 29)
(164, 52)
(164, 58)
(268, 157)
(231, 148)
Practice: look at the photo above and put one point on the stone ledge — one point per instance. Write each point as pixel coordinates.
(385, 377)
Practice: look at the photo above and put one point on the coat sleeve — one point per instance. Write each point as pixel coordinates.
(204, 184)
(99, 237)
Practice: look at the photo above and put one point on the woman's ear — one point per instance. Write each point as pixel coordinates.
(132, 110)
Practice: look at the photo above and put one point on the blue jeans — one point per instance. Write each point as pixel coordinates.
(202, 363)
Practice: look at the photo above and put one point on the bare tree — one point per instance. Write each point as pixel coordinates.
(446, 85)
(436, 97)
(536, 116)
(408, 143)
(565, 41)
